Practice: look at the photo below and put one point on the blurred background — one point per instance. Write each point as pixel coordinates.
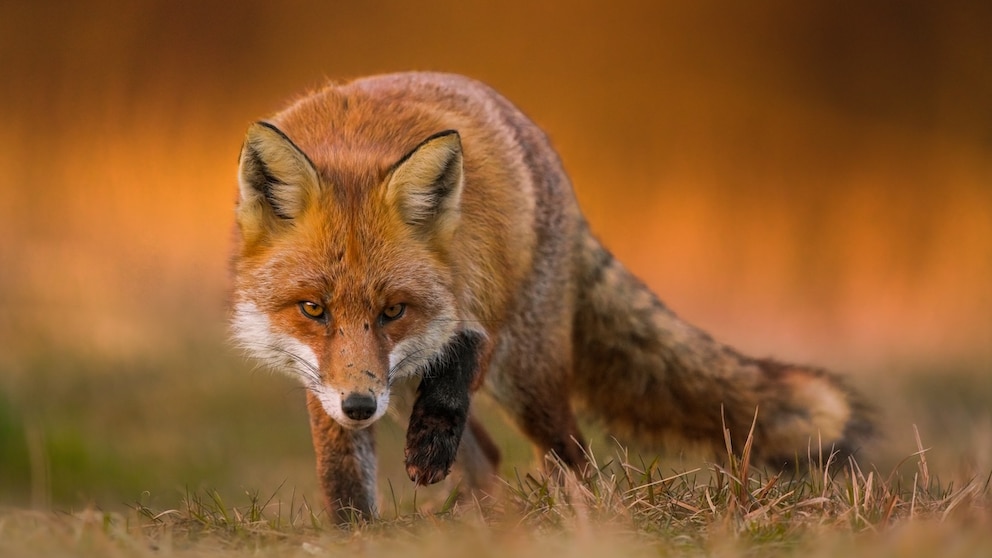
(811, 180)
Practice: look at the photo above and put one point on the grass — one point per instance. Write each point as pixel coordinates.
(618, 507)
(193, 454)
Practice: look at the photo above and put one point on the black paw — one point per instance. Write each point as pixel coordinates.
(440, 411)
(432, 445)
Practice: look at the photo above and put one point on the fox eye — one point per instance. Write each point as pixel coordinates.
(393, 312)
(312, 310)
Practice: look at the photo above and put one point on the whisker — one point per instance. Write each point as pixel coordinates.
(405, 361)
(305, 369)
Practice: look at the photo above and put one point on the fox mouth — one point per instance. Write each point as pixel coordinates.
(354, 424)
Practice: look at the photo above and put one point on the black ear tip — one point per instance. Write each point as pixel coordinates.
(450, 135)
(443, 134)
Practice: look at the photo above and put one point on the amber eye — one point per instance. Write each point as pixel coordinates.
(393, 312)
(312, 310)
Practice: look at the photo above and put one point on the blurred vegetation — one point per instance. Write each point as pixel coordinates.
(82, 431)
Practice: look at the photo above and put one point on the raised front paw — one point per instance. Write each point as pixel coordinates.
(432, 444)
(440, 411)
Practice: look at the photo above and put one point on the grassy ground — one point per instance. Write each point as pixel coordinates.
(619, 508)
(194, 453)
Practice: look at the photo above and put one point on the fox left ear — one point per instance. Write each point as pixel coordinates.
(426, 185)
(277, 179)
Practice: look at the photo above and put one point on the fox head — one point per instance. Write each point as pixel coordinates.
(346, 285)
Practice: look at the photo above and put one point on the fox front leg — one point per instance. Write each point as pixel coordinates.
(441, 410)
(346, 465)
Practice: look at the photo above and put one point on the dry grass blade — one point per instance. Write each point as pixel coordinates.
(922, 453)
(662, 482)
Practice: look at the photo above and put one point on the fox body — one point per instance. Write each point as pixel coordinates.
(420, 226)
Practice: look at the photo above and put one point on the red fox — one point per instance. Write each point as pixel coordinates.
(418, 225)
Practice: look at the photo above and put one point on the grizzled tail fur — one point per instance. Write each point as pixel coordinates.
(656, 380)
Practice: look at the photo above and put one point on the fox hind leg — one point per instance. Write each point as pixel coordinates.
(554, 428)
(478, 458)
(536, 397)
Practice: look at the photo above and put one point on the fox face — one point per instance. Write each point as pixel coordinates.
(346, 286)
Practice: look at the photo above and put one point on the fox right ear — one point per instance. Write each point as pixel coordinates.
(276, 178)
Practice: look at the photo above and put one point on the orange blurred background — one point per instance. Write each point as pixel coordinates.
(800, 178)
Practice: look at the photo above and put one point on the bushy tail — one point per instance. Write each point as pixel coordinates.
(660, 381)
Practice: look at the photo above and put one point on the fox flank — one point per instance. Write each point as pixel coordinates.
(418, 226)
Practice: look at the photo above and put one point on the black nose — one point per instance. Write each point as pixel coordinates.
(358, 407)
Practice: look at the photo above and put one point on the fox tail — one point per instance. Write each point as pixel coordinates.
(657, 380)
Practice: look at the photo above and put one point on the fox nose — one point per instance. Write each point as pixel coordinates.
(358, 407)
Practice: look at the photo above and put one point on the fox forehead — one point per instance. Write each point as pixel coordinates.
(343, 261)
(354, 136)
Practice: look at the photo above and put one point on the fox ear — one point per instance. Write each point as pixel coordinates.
(426, 185)
(276, 178)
